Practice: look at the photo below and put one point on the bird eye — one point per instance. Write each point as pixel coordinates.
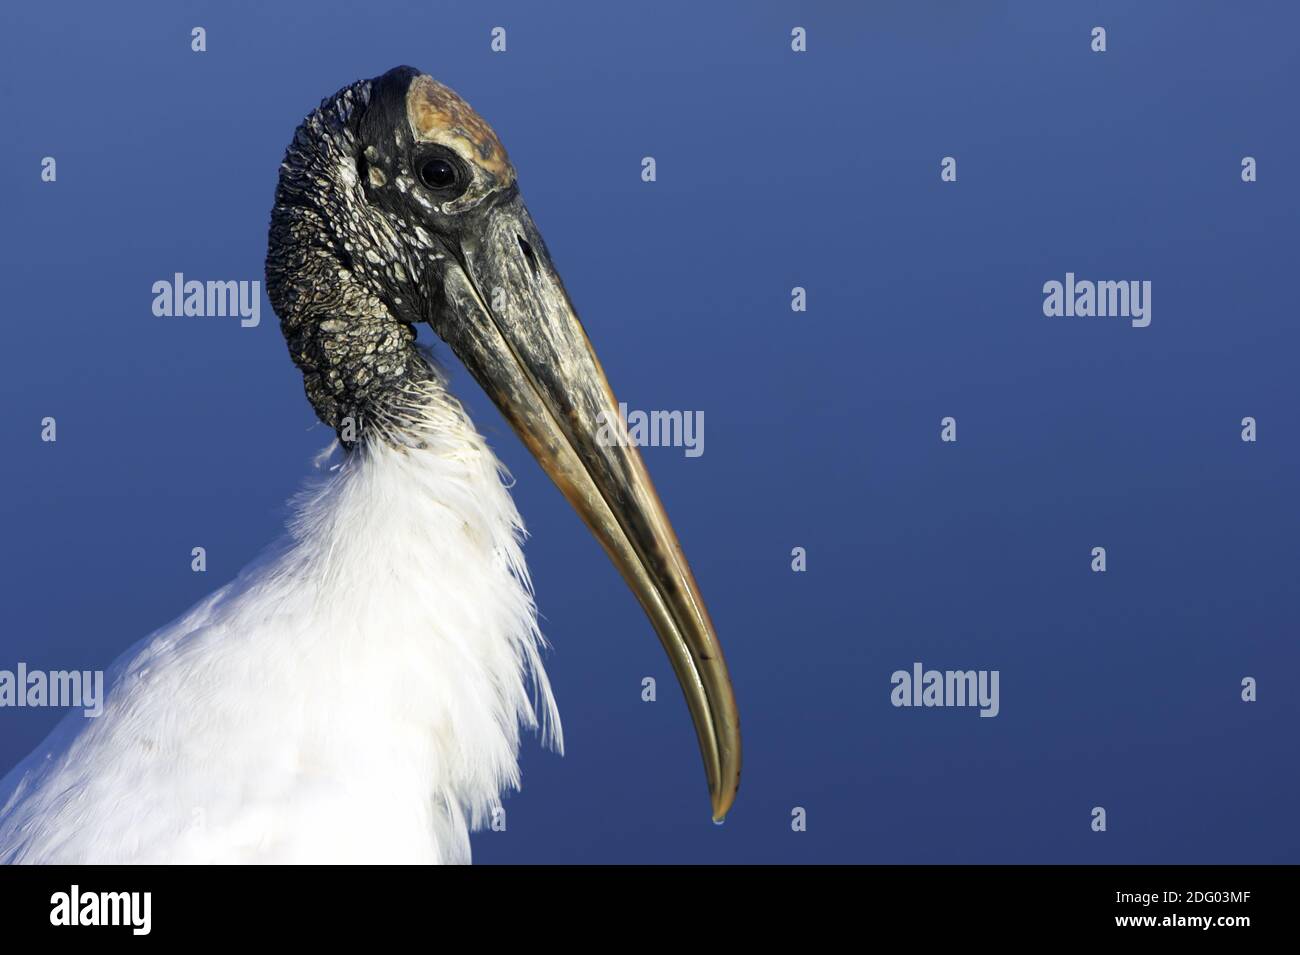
(438, 174)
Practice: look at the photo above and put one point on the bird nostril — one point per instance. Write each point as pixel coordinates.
(527, 250)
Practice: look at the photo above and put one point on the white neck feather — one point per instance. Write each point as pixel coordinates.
(356, 694)
(413, 549)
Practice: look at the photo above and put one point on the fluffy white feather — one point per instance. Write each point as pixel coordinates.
(356, 694)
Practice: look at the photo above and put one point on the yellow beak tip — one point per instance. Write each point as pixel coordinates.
(722, 806)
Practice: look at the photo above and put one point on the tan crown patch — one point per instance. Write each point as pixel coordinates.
(438, 115)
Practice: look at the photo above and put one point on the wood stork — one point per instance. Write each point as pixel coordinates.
(356, 694)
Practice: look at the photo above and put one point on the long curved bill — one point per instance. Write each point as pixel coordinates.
(517, 333)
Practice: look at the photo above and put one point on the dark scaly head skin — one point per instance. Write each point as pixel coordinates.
(357, 238)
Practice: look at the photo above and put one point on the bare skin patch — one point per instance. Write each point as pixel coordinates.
(438, 115)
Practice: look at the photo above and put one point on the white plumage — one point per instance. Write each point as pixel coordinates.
(355, 695)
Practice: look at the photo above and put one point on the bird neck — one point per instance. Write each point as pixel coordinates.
(356, 358)
(330, 269)
(410, 549)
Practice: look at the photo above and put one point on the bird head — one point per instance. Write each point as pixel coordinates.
(396, 205)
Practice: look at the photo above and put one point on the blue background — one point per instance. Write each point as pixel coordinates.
(821, 429)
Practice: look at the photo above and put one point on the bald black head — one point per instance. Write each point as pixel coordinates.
(379, 189)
